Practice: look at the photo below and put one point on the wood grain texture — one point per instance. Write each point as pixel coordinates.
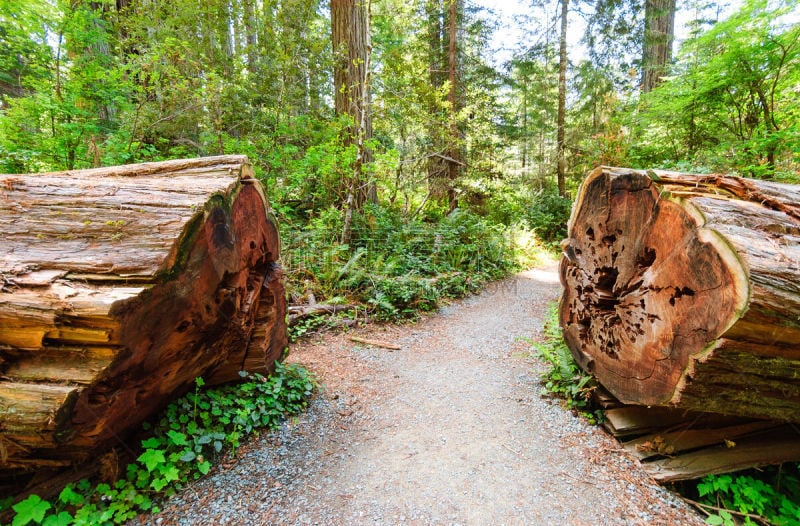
(120, 286)
(684, 291)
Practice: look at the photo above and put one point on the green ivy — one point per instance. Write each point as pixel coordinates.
(564, 379)
(187, 438)
(768, 496)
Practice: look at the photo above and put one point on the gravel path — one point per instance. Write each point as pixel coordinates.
(449, 430)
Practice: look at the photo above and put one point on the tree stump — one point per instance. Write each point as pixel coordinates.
(684, 290)
(120, 286)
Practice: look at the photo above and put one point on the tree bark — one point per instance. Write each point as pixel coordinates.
(251, 35)
(350, 35)
(454, 151)
(437, 59)
(561, 161)
(682, 290)
(659, 33)
(122, 285)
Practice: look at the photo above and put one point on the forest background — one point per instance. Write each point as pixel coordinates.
(405, 162)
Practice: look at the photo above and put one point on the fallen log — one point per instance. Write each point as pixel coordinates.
(684, 291)
(120, 286)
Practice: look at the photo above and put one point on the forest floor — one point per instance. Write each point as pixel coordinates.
(451, 429)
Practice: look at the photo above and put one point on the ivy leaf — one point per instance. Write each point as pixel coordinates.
(151, 443)
(158, 484)
(714, 520)
(179, 439)
(171, 473)
(29, 510)
(204, 467)
(152, 458)
(70, 496)
(188, 456)
(62, 519)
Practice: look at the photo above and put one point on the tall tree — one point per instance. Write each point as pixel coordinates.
(445, 161)
(659, 33)
(561, 166)
(733, 101)
(455, 103)
(437, 67)
(350, 36)
(626, 35)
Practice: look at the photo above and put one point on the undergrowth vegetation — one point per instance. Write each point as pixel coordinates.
(186, 439)
(564, 379)
(395, 266)
(766, 496)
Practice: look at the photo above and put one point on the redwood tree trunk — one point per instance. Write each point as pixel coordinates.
(121, 285)
(659, 33)
(561, 161)
(350, 35)
(682, 290)
(454, 163)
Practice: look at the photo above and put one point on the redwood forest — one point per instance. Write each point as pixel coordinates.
(191, 188)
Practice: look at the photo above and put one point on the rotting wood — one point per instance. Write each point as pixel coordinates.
(671, 444)
(120, 286)
(753, 451)
(684, 291)
(682, 439)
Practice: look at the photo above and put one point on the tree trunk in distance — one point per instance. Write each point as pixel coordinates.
(659, 33)
(682, 290)
(437, 58)
(454, 163)
(561, 162)
(350, 36)
(122, 285)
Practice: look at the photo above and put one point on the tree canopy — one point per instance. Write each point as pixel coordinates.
(437, 124)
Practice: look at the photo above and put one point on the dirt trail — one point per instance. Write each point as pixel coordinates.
(449, 430)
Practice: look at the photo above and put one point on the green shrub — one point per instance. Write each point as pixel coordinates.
(189, 435)
(548, 216)
(394, 266)
(767, 496)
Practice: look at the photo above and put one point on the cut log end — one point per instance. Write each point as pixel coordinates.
(643, 278)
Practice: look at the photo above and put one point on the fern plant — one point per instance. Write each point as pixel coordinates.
(564, 378)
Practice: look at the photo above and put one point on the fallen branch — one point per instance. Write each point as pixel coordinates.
(300, 312)
(447, 158)
(376, 343)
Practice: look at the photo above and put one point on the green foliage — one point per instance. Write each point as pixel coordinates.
(771, 495)
(190, 435)
(731, 103)
(396, 266)
(30, 510)
(547, 215)
(564, 379)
